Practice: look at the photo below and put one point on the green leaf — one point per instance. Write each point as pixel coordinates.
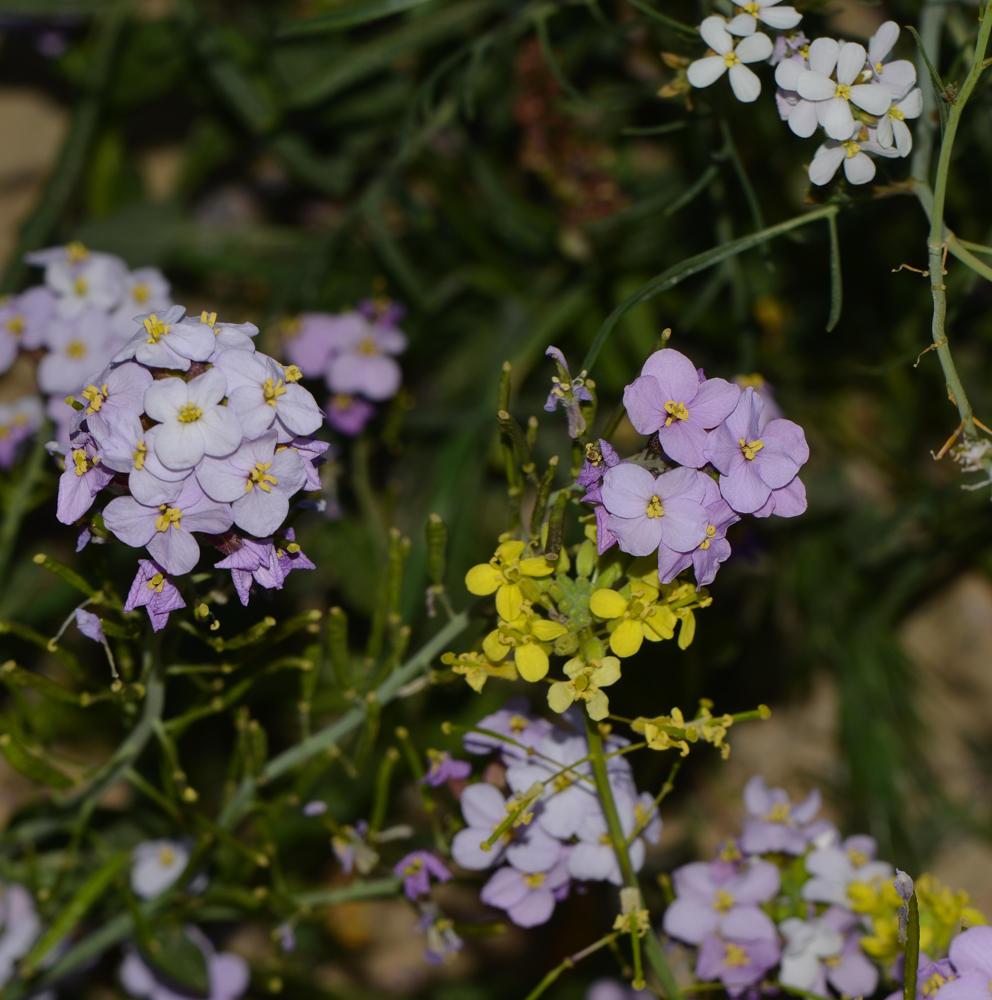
(177, 959)
(31, 766)
(836, 280)
(670, 22)
(693, 265)
(935, 80)
(65, 923)
(14, 676)
(348, 17)
(70, 576)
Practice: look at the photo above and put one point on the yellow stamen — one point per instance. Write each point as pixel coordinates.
(878, 68)
(189, 412)
(208, 318)
(654, 507)
(933, 984)
(779, 813)
(76, 349)
(81, 459)
(169, 515)
(75, 252)
(852, 148)
(676, 411)
(139, 455)
(731, 59)
(80, 286)
(751, 448)
(723, 902)
(710, 533)
(156, 329)
(96, 397)
(752, 9)
(156, 583)
(292, 373)
(896, 115)
(735, 955)
(368, 346)
(273, 390)
(260, 478)
(858, 858)
(142, 293)
(518, 724)
(843, 91)
(166, 857)
(15, 325)
(535, 881)
(414, 866)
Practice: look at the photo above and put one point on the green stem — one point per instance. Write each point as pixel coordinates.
(569, 963)
(912, 965)
(937, 243)
(20, 501)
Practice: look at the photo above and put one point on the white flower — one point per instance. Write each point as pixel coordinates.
(81, 278)
(766, 11)
(20, 923)
(756, 47)
(128, 448)
(76, 348)
(806, 943)
(193, 422)
(227, 336)
(898, 76)
(835, 869)
(157, 865)
(892, 126)
(164, 342)
(832, 98)
(145, 291)
(853, 153)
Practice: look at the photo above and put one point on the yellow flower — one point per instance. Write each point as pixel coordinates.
(502, 574)
(631, 620)
(527, 635)
(672, 731)
(586, 681)
(477, 669)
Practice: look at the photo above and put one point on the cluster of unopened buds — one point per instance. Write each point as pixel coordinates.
(861, 98)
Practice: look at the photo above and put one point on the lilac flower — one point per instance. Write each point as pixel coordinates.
(18, 421)
(600, 456)
(81, 279)
(897, 76)
(21, 927)
(315, 808)
(228, 973)
(714, 548)
(114, 392)
(738, 964)
(770, 410)
(232, 337)
(89, 624)
(892, 128)
(416, 870)
(442, 941)
(166, 531)
(84, 477)
(527, 847)
(774, 824)
(349, 414)
(752, 461)
(382, 310)
(971, 955)
(826, 949)
(593, 858)
(154, 590)
(287, 939)
(194, 423)
(77, 348)
(23, 321)
(264, 562)
(129, 448)
(162, 341)
(263, 394)
(798, 112)
(931, 979)
(789, 501)
(444, 768)
(257, 481)
(363, 364)
(646, 511)
(144, 291)
(721, 897)
(569, 392)
(317, 337)
(157, 865)
(528, 897)
(67, 421)
(311, 452)
(670, 398)
(835, 869)
(514, 720)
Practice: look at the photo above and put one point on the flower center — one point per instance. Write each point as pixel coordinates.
(414, 867)
(518, 724)
(677, 411)
(368, 346)
(852, 148)
(562, 782)
(259, 477)
(273, 390)
(156, 329)
(156, 583)
(858, 858)
(535, 881)
(752, 9)
(779, 813)
(581, 682)
(139, 455)
(843, 91)
(341, 401)
(896, 115)
(731, 59)
(75, 252)
(97, 397)
(751, 448)
(142, 293)
(878, 68)
(166, 857)
(654, 508)
(189, 413)
(734, 954)
(933, 984)
(83, 461)
(723, 902)
(169, 515)
(710, 533)
(208, 318)
(292, 373)
(16, 325)
(76, 349)
(80, 286)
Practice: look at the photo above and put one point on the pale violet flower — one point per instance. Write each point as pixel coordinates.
(163, 341)
(528, 897)
(897, 76)
(18, 421)
(77, 347)
(835, 869)
(81, 278)
(264, 394)
(833, 98)
(194, 423)
(755, 48)
(854, 154)
(155, 591)
(157, 865)
(593, 858)
(129, 448)
(24, 319)
(892, 128)
(84, 477)
(144, 291)
(767, 12)
(227, 336)
(822, 950)
(21, 926)
(257, 481)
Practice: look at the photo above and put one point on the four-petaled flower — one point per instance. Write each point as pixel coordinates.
(416, 870)
(155, 591)
(502, 575)
(755, 48)
(585, 683)
(633, 619)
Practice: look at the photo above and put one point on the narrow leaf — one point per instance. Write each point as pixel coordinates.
(31, 766)
(70, 576)
(704, 181)
(836, 280)
(14, 676)
(645, 8)
(363, 13)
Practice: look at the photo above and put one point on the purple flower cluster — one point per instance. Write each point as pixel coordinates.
(562, 833)
(966, 973)
(18, 422)
(217, 450)
(729, 454)
(354, 352)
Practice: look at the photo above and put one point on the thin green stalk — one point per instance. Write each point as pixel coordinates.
(569, 963)
(20, 500)
(936, 243)
(911, 968)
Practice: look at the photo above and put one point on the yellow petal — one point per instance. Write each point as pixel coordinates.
(574, 666)
(537, 566)
(560, 696)
(477, 679)
(509, 600)
(483, 579)
(532, 661)
(509, 551)
(626, 639)
(688, 630)
(644, 592)
(598, 706)
(493, 648)
(547, 631)
(607, 673)
(607, 604)
(660, 624)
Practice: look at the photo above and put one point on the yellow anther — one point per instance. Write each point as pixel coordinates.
(933, 984)
(852, 148)
(96, 397)
(734, 954)
(77, 349)
(169, 515)
(293, 548)
(188, 413)
(15, 325)
(751, 448)
(292, 373)
(843, 91)
(654, 508)
(166, 856)
(273, 389)
(414, 866)
(858, 858)
(752, 9)
(80, 286)
(878, 68)
(535, 881)
(156, 583)
(779, 813)
(259, 477)
(676, 411)
(896, 115)
(723, 902)
(81, 459)
(139, 455)
(731, 59)
(518, 724)
(368, 346)
(156, 328)
(142, 293)
(75, 252)
(208, 318)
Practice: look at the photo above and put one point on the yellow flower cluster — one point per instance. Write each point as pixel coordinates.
(672, 731)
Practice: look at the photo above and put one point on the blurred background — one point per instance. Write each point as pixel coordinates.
(509, 172)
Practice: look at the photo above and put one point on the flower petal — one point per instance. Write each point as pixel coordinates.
(744, 82)
(755, 48)
(872, 98)
(836, 118)
(823, 53)
(850, 62)
(703, 72)
(714, 32)
(860, 169)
